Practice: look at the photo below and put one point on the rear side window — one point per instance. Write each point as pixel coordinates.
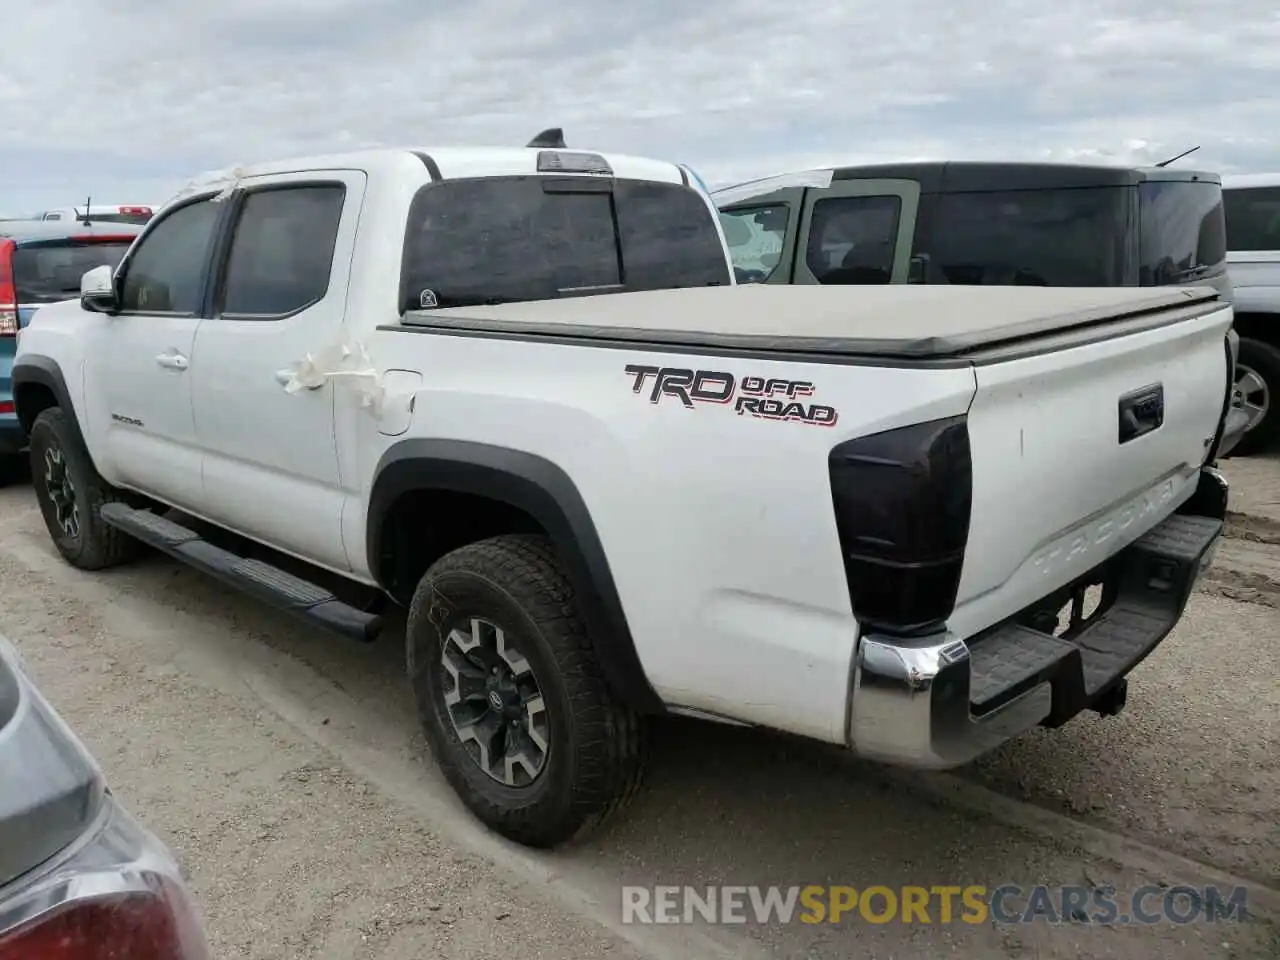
(1077, 237)
(1253, 218)
(1184, 231)
(852, 239)
(499, 240)
(51, 270)
(166, 270)
(282, 250)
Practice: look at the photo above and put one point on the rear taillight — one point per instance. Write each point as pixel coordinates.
(135, 211)
(8, 292)
(139, 926)
(103, 238)
(902, 501)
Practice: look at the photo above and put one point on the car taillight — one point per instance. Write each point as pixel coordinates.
(139, 926)
(8, 292)
(902, 502)
(135, 211)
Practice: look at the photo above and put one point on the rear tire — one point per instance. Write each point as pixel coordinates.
(497, 655)
(70, 493)
(1258, 373)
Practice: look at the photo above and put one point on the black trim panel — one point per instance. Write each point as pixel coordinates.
(546, 493)
(428, 161)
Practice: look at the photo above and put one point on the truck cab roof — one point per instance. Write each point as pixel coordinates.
(447, 163)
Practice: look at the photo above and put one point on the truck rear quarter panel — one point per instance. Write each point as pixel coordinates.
(718, 525)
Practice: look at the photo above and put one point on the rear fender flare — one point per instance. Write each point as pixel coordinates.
(545, 492)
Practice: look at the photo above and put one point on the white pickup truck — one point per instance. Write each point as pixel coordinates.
(518, 392)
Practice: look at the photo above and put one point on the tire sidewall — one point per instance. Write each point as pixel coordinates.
(47, 433)
(1263, 359)
(457, 596)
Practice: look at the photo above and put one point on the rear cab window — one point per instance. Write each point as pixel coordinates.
(46, 271)
(507, 239)
(852, 240)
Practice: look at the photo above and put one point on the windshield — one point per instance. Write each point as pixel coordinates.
(1072, 237)
(506, 239)
(1184, 231)
(755, 235)
(47, 272)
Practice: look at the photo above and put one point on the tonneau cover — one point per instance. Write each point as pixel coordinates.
(896, 320)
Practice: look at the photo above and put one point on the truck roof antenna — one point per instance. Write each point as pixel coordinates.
(550, 139)
(1165, 163)
(88, 202)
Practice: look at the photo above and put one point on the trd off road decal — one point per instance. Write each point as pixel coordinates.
(771, 398)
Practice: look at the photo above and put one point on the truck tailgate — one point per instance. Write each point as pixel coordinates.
(1078, 451)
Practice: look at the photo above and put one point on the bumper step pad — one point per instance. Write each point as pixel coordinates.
(1156, 575)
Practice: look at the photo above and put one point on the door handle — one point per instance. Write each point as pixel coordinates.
(285, 375)
(172, 361)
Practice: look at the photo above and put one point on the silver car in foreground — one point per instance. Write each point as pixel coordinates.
(80, 879)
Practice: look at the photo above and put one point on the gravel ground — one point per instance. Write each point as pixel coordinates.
(286, 771)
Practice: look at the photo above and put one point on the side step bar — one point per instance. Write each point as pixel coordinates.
(269, 584)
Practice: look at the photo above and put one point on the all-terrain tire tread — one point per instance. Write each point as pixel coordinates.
(105, 546)
(611, 738)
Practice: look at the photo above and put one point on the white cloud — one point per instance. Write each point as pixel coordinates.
(128, 99)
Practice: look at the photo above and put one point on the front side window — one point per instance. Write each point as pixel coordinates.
(1069, 237)
(510, 239)
(755, 236)
(1253, 218)
(852, 239)
(1184, 231)
(282, 250)
(165, 273)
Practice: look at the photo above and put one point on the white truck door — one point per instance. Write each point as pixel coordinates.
(270, 457)
(142, 366)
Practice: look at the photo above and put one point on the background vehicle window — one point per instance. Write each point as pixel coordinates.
(852, 239)
(755, 236)
(668, 237)
(49, 271)
(166, 271)
(1253, 218)
(1077, 237)
(1184, 231)
(282, 250)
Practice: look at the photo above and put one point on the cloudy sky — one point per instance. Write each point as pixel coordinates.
(127, 99)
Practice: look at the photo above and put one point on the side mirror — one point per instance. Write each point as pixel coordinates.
(98, 290)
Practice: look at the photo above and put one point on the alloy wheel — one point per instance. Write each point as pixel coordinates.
(495, 703)
(61, 491)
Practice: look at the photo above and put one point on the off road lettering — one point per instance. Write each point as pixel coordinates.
(769, 408)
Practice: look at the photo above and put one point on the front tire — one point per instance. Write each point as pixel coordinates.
(70, 493)
(511, 696)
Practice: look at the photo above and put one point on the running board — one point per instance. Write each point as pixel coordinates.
(269, 584)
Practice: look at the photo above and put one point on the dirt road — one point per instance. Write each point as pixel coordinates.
(286, 770)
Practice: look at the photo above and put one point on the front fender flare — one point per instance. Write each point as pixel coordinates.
(545, 492)
(36, 368)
